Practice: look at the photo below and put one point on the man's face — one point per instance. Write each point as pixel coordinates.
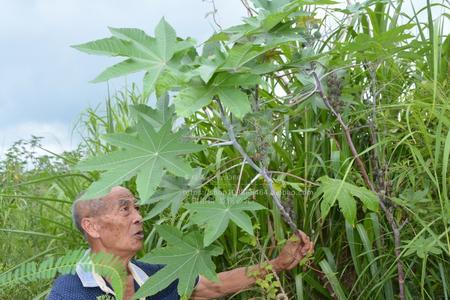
(120, 225)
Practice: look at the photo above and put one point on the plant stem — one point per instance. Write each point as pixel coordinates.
(265, 174)
(261, 170)
(363, 172)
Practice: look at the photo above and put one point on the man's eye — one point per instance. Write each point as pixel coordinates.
(124, 208)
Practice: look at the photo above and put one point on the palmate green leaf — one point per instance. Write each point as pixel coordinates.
(128, 66)
(366, 47)
(272, 15)
(145, 53)
(191, 99)
(185, 258)
(173, 191)
(215, 216)
(241, 54)
(235, 100)
(158, 116)
(206, 71)
(145, 154)
(211, 59)
(111, 46)
(166, 39)
(224, 85)
(423, 247)
(214, 70)
(345, 193)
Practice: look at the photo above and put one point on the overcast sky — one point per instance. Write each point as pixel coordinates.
(44, 82)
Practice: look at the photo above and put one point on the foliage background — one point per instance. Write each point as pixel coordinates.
(386, 74)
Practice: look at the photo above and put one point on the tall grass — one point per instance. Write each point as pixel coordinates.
(396, 103)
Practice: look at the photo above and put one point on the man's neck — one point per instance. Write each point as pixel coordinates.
(123, 257)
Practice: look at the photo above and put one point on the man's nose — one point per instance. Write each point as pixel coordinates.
(137, 218)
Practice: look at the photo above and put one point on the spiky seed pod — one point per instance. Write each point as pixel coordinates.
(259, 136)
(289, 205)
(335, 86)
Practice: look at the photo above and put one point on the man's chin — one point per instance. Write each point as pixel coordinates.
(138, 245)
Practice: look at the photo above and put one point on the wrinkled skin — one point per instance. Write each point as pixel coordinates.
(118, 228)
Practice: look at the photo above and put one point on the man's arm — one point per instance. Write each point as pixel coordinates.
(240, 279)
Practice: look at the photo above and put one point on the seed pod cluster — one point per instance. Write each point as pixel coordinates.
(289, 206)
(258, 135)
(335, 86)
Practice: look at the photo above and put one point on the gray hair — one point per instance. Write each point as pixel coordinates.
(85, 209)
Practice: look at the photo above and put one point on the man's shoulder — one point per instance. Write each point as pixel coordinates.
(67, 281)
(69, 286)
(170, 292)
(149, 269)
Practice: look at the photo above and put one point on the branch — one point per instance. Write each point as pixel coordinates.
(295, 176)
(369, 183)
(214, 12)
(250, 11)
(251, 182)
(261, 170)
(362, 168)
(240, 177)
(227, 143)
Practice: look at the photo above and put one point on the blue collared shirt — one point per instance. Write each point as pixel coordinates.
(85, 285)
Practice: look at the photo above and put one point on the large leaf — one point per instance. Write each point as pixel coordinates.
(215, 216)
(123, 68)
(345, 193)
(191, 99)
(145, 154)
(423, 246)
(111, 46)
(235, 100)
(158, 116)
(173, 191)
(386, 44)
(224, 85)
(212, 57)
(144, 53)
(165, 40)
(185, 258)
(241, 54)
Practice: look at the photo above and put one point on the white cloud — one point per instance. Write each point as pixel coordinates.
(45, 82)
(56, 136)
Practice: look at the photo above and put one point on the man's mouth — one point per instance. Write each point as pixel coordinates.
(139, 235)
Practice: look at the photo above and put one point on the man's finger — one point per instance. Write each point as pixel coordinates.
(300, 255)
(311, 248)
(304, 237)
(307, 248)
(293, 265)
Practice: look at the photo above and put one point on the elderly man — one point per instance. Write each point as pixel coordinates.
(113, 224)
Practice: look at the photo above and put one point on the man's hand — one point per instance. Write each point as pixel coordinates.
(238, 279)
(297, 247)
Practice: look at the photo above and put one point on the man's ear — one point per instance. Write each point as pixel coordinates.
(90, 227)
